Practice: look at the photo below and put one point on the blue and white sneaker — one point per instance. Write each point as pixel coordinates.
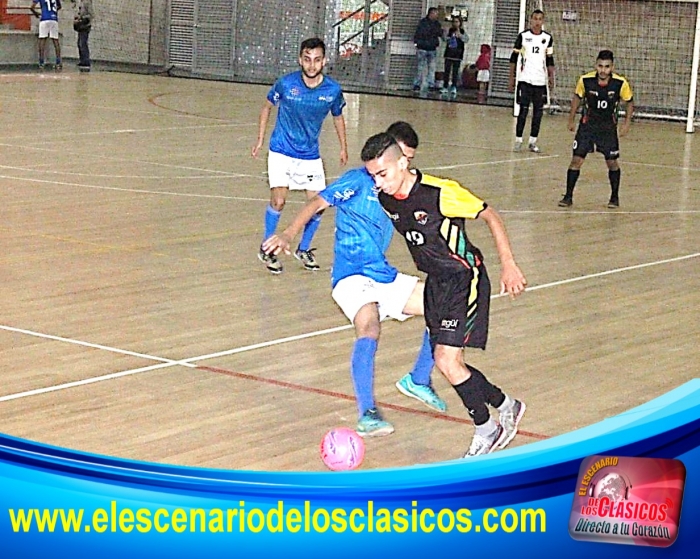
(422, 393)
(372, 424)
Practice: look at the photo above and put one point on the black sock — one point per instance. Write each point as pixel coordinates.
(473, 399)
(493, 395)
(614, 177)
(571, 178)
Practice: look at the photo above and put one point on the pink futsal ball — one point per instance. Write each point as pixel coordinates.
(342, 449)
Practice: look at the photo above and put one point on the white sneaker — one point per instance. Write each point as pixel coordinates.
(518, 146)
(534, 148)
(485, 445)
(509, 419)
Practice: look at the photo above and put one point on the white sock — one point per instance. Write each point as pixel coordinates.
(532, 141)
(487, 428)
(518, 140)
(507, 403)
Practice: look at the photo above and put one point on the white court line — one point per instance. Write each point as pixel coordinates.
(130, 131)
(599, 212)
(132, 161)
(91, 345)
(83, 382)
(224, 175)
(144, 177)
(676, 167)
(190, 361)
(479, 163)
(135, 190)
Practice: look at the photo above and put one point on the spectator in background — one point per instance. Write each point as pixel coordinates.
(427, 40)
(82, 23)
(483, 76)
(454, 53)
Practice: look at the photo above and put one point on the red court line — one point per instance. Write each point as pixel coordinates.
(341, 396)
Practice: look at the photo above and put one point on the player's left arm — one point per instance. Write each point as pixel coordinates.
(549, 61)
(339, 124)
(627, 97)
(513, 280)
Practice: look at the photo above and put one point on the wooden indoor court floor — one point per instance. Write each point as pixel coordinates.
(136, 320)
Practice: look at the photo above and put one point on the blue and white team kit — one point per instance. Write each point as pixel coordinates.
(294, 159)
(361, 273)
(48, 22)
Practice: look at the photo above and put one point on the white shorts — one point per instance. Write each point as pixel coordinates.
(295, 174)
(354, 292)
(483, 76)
(48, 28)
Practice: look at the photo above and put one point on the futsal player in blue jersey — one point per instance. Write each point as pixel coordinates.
(365, 286)
(48, 28)
(303, 100)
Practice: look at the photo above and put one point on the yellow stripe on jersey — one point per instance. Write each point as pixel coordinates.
(625, 90)
(451, 233)
(473, 292)
(455, 200)
(580, 89)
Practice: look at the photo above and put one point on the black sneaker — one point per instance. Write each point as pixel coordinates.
(614, 203)
(274, 266)
(566, 202)
(307, 258)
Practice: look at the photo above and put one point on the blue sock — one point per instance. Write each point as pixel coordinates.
(272, 218)
(362, 372)
(309, 232)
(424, 363)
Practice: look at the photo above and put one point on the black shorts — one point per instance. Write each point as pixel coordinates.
(457, 308)
(603, 140)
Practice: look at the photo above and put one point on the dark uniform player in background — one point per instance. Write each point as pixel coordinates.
(430, 214)
(536, 53)
(600, 93)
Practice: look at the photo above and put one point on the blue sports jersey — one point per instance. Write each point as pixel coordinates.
(362, 229)
(49, 9)
(301, 112)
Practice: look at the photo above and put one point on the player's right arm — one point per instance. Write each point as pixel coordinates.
(517, 48)
(282, 242)
(262, 125)
(579, 93)
(34, 10)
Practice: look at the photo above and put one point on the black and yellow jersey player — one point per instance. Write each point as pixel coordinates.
(600, 94)
(431, 214)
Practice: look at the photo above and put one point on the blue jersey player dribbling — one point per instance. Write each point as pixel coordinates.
(303, 99)
(365, 286)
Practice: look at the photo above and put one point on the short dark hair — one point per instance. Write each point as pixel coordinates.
(535, 12)
(431, 10)
(311, 44)
(606, 55)
(403, 132)
(377, 145)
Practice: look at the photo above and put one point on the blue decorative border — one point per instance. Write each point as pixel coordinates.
(541, 475)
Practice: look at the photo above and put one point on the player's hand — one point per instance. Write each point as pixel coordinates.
(513, 281)
(276, 244)
(572, 126)
(256, 150)
(343, 157)
(624, 129)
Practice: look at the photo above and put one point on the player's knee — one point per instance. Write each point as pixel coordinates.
(277, 203)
